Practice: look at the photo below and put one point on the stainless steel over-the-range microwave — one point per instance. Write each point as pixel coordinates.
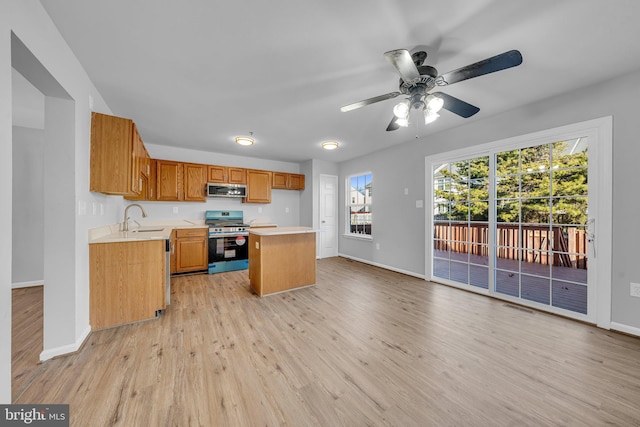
(226, 190)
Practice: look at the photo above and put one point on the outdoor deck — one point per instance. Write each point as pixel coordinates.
(558, 286)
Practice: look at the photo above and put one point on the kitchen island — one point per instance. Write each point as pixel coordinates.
(281, 259)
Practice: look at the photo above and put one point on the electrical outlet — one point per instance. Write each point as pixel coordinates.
(175, 209)
(635, 289)
(378, 246)
(406, 191)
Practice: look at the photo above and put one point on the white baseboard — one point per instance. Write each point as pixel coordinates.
(27, 284)
(386, 267)
(65, 349)
(621, 327)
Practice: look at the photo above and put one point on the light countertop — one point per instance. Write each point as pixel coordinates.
(281, 230)
(148, 230)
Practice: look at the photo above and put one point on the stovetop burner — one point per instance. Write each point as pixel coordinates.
(224, 222)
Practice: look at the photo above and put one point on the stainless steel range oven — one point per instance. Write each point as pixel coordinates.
(228, 241)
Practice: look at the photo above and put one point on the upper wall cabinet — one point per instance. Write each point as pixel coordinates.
(117, 156)
(258, 186)
(195, 182)
(168, 180)
(287, 181)
(226, 175)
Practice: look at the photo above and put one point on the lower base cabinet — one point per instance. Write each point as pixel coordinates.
(191, 250)
(126, 282)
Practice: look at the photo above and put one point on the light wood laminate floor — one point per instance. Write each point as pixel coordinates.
(364, 347)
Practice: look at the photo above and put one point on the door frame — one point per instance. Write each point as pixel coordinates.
(321, 208)
(600, 133)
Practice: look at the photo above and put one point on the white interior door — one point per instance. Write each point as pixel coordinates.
(328, 205)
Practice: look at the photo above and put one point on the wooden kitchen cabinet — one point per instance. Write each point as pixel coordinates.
(191, 250)
(126, 282)
(258, 186)
(195, 182)
(147, 183)
(169, 180)
(287, 181)
(116, 151)
(226, 175)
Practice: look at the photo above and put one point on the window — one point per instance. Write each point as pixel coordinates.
(359, 191)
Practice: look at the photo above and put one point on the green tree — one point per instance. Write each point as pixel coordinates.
(535, 185)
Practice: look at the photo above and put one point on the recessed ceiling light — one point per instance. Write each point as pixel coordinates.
(330, 145)
(244, 140)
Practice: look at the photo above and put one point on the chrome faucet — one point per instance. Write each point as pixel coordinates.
(125, 222)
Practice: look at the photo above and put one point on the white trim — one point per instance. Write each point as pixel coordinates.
(33, 283)
(65, 349)
(621, 327)
(358, 236)
(601, 130)
(386, 267)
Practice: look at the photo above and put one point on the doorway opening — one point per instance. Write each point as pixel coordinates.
(43, 203)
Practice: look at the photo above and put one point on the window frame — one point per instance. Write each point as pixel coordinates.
(349, 204)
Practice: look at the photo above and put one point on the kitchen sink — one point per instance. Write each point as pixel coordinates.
(147, 229)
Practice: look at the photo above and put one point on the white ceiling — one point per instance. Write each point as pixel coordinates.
(195, 73)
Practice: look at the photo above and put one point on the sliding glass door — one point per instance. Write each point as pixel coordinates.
(516, 220)
(541, 202)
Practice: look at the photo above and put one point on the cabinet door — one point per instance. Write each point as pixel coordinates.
(217, 174)
(168, 180)
(279, 180)
(236, 175)
(111, 155)
(172, 254)
(296, 182)
(195, 177)
(258, 186)
(192, 250)
(137, 160)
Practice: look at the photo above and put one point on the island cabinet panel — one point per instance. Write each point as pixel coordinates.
(192, 250)
(195, 182)
(169, 180)
(281, 262)
(112, 154)
(126, 282)
(258, 186)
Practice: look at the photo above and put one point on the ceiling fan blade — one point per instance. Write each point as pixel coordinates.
(392, 124)
(457, 106)
(500, 62)
(373, 100)
(401, 60)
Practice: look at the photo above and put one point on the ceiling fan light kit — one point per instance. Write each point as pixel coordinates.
(417, 80)
(401, 110)
(430, 116)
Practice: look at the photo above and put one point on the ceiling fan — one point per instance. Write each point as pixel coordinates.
(417, 80)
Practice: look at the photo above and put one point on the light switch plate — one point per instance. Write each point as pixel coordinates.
(635, 289)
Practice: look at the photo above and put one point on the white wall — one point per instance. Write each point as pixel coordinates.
(27, 267)
(399, 225)
(33, 27)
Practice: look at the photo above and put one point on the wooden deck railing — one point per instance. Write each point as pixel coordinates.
(532, 243)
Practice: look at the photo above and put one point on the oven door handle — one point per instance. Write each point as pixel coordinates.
(218, 236)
